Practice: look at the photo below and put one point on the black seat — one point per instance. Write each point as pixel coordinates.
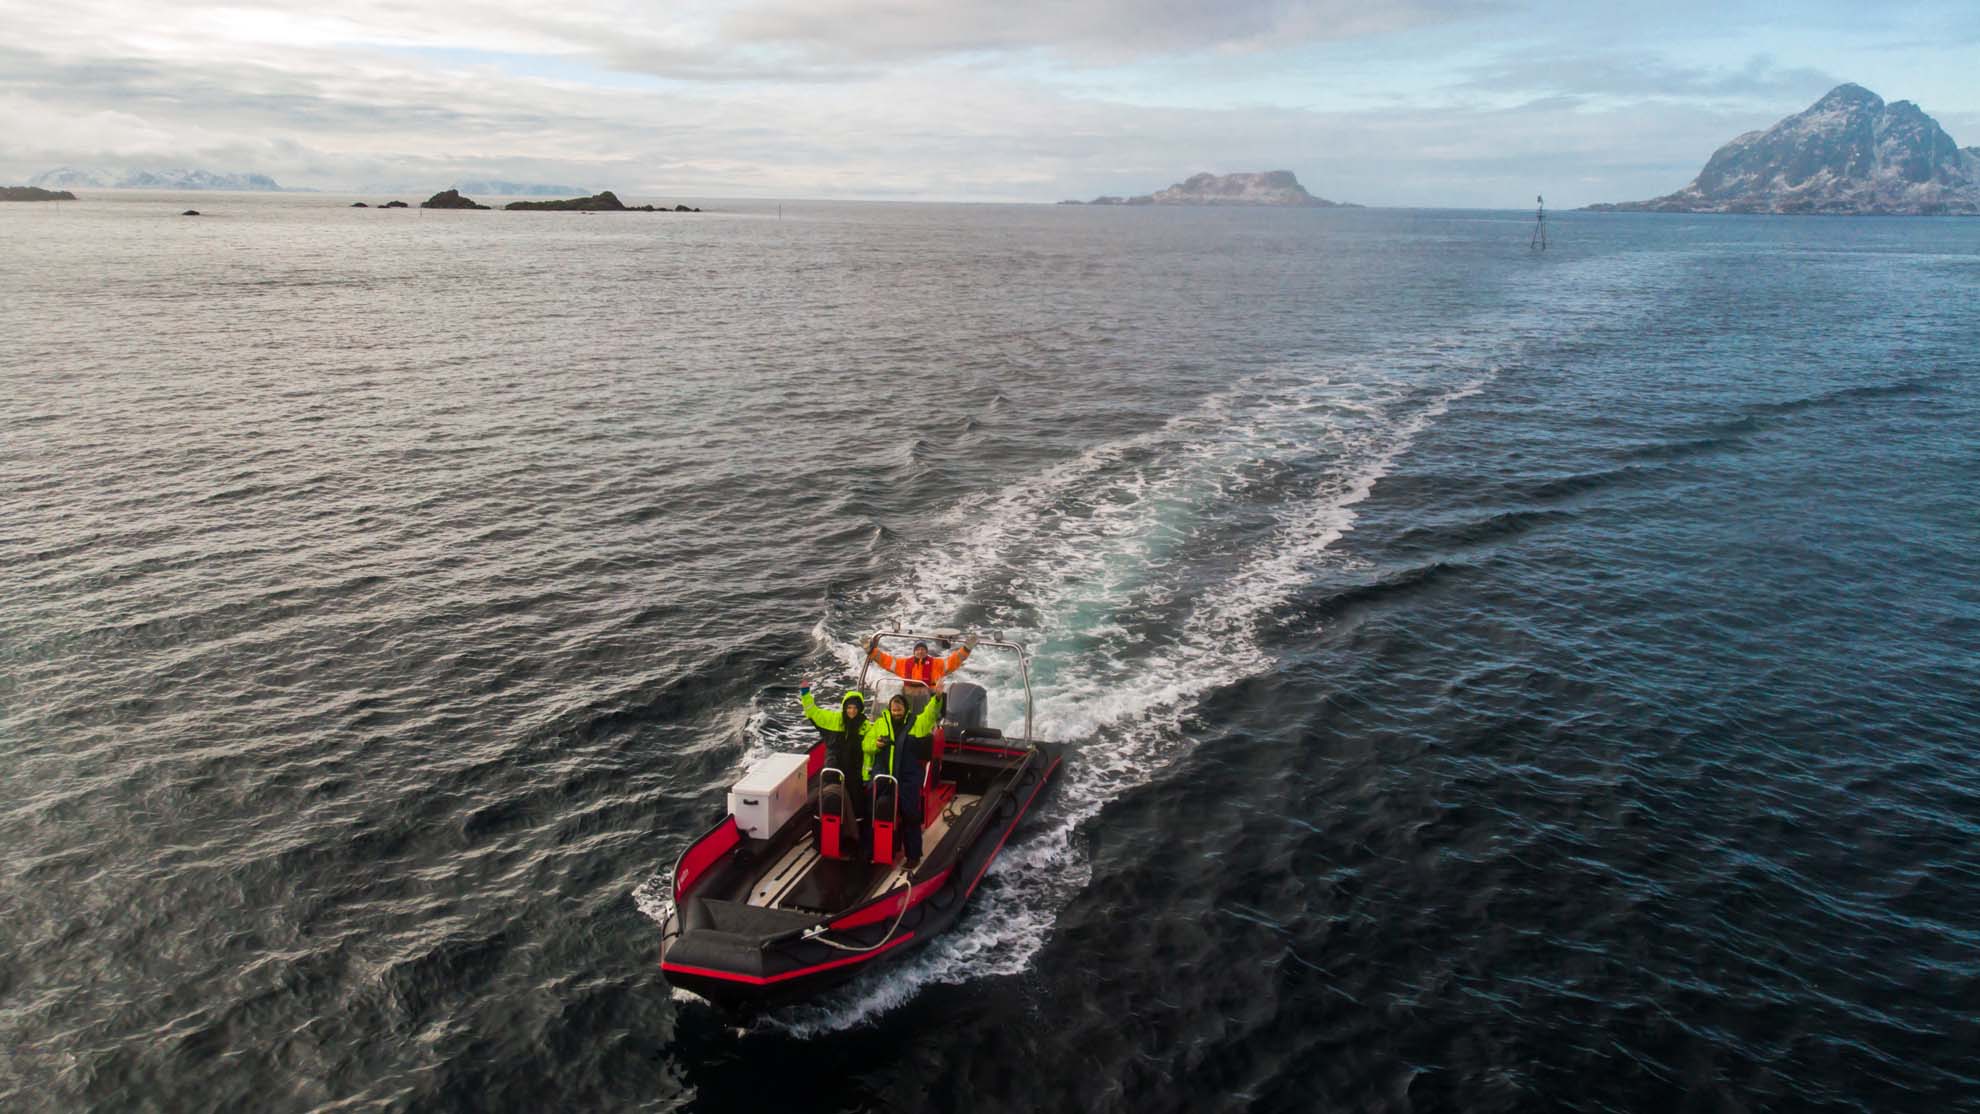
(743, 919)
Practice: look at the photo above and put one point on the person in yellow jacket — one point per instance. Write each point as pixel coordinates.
(845, 734)
(901, 749)
(860, 746)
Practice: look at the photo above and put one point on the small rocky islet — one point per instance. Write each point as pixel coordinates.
(450, 199)
(34, 193)
(603, 202)
(1260, 189)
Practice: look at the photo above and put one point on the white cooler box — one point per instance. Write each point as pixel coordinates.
(769, 794)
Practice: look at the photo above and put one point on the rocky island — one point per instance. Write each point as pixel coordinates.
(1848, 153)
(1274, 188)
(34, 193)
(603, 202)
(447, 199)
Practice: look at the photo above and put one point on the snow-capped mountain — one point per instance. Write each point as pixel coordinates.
(72, 178)
(1847, 153)
(498, 187)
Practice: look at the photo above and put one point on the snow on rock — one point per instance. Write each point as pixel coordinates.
(69, 177)
(1847, 153)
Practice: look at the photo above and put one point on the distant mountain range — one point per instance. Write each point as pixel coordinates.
(73, 178)
(499, 188)
(1848, 153)
(1270, 188)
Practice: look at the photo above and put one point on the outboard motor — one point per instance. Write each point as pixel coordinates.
(968, 706)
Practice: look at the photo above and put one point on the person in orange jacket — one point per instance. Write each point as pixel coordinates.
(921, 665)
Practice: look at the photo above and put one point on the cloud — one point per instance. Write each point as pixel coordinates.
(1639, 73)
(1115, 30)
(102, 133)
(1423, 102)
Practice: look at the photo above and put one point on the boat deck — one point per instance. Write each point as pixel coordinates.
(805, 881)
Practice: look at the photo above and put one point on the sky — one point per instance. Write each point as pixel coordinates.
(1475, 103)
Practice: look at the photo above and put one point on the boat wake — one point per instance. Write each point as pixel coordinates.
(1141, 573)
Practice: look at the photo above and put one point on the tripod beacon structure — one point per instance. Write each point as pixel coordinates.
(1539, 241)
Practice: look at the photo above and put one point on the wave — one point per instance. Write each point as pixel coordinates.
(1490, 529)
(1844, 396)
(1323, 606)
(1143, 573)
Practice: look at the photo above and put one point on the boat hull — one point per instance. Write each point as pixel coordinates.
(744, 960)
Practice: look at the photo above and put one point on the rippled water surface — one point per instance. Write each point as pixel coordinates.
(1499, 681)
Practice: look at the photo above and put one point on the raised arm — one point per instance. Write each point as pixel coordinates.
(953, 661)
(931, 714)
(825, 718)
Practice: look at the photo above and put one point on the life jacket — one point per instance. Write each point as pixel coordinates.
(927, 672)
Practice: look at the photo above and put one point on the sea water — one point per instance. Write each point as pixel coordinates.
(1496, 680)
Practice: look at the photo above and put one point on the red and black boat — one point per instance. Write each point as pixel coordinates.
(786, 897)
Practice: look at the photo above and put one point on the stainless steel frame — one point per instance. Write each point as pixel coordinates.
(993, 639)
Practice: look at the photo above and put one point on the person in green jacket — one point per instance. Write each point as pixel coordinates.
(899, 748)
(845, 734)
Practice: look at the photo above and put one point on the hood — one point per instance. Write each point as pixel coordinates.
(845, 702)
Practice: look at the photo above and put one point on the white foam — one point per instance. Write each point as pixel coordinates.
(652, 898)
(1083, 549)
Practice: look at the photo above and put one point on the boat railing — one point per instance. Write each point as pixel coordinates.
(992, 640)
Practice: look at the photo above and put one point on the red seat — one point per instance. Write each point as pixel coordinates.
(886, 810)
(838, 827)
(935, 793)
(934, 800)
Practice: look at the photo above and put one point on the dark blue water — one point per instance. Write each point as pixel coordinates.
(1499, 681)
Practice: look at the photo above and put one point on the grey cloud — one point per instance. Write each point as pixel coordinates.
(1120, 29)
(1643, 74)
(278, 99)
(632, 55)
